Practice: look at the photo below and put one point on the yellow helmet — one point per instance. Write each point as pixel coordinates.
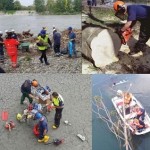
(19, 116)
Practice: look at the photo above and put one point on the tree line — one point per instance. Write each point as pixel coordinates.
(42, 6)
(58, 6)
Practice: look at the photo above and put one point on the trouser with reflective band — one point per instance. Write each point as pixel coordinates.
(24, 95)
(58, 115)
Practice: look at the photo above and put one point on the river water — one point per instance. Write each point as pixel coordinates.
(139, 85)
(36, 22)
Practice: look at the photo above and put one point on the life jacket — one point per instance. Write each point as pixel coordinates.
(43, 40)
(58, 101)
(127, 98)
(11, 46)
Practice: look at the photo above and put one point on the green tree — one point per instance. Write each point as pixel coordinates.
(63, 6)
(9, 5)
(17, 5)
(39, 6)
(77, 5)
(50, 6)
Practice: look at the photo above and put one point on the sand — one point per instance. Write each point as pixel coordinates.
(76, 92)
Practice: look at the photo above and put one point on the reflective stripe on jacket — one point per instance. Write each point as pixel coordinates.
(58, 101)
(44, 41)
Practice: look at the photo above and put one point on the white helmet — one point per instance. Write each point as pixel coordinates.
(12, 30)
(119, 92)
(1, 32)
(6, 31)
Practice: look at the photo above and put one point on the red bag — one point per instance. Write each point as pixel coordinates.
(36, 130)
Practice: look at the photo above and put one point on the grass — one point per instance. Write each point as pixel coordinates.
(101, 15)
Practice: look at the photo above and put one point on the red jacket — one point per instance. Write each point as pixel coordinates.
(11, 46)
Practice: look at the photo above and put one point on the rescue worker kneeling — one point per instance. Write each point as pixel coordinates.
(42, 42)
(43, 127)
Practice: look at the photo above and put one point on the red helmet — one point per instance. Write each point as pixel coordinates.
(118, 4)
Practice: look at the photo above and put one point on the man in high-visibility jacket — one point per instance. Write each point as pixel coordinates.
(58, 102)
(42, 42)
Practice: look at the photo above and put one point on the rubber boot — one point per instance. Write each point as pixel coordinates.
(40, 141)
(46, 138)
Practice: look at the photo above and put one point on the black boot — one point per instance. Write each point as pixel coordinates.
(41, 60)
(46, 63)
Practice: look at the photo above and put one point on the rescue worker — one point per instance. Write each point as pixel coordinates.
(26, 90)
(135, 13)
(43, 127)
(14, 35)
(72, 42)
(1, 48)
(58, 103)
(11, 48)
(57, 42)
(140, 113)
(89, 2)
(94, 2)
(42, 42)
(138, 125)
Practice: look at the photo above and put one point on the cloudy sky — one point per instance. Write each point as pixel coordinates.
(26, 2)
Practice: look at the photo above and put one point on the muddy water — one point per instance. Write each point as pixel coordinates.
(36, 22)
(102, 138)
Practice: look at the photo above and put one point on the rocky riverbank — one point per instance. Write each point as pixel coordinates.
(29, 61)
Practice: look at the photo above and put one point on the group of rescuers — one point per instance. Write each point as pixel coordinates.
(133, 111)
(55, 98)
(43, 42)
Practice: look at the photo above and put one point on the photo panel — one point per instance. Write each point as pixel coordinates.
(120, 112)
(39, 36)
(115, 36)
(45, 112)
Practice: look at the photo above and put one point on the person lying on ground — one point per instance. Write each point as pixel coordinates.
(135, 13)
(26, 90)
(58, 102)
